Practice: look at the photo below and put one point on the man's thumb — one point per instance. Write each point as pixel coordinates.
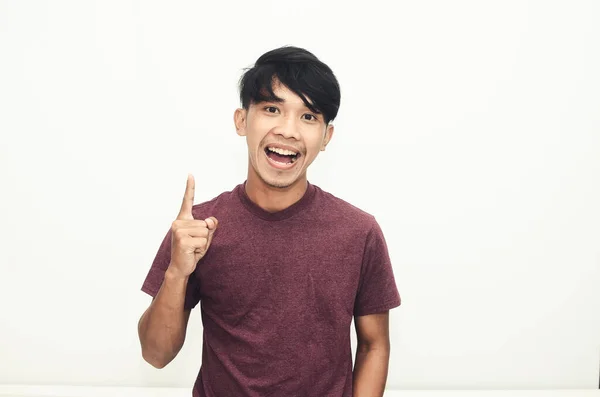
(212, 224)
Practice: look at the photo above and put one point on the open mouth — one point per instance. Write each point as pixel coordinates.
(283, 157)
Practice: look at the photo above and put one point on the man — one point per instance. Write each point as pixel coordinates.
(279, 266)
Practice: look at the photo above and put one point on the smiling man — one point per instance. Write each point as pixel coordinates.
(279, 265)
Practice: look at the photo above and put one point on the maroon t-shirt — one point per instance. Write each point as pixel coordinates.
(278, 291)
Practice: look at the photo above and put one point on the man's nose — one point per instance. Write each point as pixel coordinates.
(288, 128)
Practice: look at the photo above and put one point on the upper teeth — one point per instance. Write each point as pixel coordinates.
(282, 151)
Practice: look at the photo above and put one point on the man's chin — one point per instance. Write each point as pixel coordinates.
(281, 183)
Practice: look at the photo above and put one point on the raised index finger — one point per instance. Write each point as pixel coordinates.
(188, 199)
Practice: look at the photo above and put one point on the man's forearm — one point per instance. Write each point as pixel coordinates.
(162, 327)
(370, 371)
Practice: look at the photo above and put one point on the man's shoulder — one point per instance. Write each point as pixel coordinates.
(343, 209)
(208, 207)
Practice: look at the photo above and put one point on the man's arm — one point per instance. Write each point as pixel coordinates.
(163, 325)
(372, 355)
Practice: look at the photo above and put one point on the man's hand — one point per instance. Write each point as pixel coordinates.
(190, 238)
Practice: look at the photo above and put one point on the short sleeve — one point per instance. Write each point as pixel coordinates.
(156, 275)
(377, 290)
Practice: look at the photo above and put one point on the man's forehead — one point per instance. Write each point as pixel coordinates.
(288, 96)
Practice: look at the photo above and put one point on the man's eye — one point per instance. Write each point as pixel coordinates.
(271, 109)
(314, 118)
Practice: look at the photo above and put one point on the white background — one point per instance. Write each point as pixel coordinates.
(470, 129)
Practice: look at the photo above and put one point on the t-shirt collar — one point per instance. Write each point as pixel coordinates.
(293, 209)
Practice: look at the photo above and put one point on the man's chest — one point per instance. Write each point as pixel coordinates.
(267, 278)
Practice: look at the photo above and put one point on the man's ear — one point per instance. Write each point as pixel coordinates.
(239, 119)
(327, 137)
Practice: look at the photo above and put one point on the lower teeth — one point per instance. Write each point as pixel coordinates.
(292, 161)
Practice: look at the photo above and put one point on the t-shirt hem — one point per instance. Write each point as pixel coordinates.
(150, 291)
(378, 309)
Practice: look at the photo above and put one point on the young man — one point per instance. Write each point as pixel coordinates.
(279, 265)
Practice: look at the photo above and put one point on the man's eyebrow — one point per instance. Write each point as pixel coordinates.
(317, 111)
(304, 106)
(271, 98)
(282, 100)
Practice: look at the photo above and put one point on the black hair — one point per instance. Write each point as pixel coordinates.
(301, 72)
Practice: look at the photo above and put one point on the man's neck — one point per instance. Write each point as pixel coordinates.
(274, 199)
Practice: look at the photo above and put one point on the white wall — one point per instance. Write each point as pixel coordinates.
(470, 129)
